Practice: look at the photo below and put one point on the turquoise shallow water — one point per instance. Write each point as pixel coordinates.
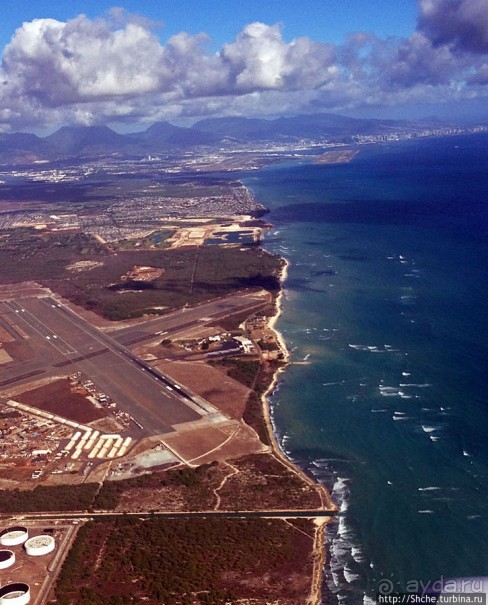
(386, 304)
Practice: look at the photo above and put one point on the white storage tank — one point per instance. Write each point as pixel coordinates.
(39, 545)
(7, 558)
(13, 536)
(16, 593)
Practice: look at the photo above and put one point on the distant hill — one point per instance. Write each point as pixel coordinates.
(89, 140)
(233, 127)
(23, 146)
(164, 137)
(302, 126)
(164, 133)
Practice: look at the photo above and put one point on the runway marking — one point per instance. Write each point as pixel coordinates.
(126, 356)
(41, 328)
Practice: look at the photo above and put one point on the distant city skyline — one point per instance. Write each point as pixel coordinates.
(90, 62)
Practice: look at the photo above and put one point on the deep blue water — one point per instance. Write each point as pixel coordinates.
(386, 305)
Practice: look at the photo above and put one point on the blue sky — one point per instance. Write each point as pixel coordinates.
(321, 20)
(136, 62)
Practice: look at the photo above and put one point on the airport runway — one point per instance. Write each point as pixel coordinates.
(60, 342)
(191, 316)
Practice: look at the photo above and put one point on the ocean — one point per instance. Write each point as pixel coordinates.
(385, 312)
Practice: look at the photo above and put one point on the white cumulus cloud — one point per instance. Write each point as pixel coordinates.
(116, 69)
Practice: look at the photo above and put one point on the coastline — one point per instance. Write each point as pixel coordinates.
(278, 307)
(319, 554)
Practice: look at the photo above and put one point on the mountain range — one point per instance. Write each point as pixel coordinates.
(85, 142)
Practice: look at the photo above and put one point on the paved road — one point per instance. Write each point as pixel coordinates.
(55, 565)
(85, 516)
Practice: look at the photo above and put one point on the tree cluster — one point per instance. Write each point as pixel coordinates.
(171, 561)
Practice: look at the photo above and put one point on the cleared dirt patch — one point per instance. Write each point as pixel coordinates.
(58, 397)
(226, 394)
(5, 336)
(214, 442)
(83, 265)
(20, 351)
(142, 273)
(4, 356)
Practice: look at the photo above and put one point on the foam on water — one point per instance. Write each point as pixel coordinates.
(407, 261)
(429, 429)
(350, 576)
(357, 554)
(346, 555)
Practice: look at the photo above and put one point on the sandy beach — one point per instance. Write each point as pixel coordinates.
(274, 318)
(319, 553)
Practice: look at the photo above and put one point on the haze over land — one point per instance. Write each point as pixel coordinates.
(119, 70)
(212, 139)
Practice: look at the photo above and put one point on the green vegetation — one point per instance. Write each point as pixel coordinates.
(266, 480)
(48, 498)
(242, 370)
(101, 189)
(185, 562)
(257, 377)
(190, 275)
(268, 346)
(262, 483)
(195, 480)
(26, 243)
(158, 239)
(253, 416)
(90, 496)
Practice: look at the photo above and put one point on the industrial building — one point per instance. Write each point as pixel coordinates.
(17, 593)
(7, 558)
(13, 536)
(39, 545)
